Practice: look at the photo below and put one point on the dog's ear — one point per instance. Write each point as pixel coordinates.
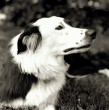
(29, 39)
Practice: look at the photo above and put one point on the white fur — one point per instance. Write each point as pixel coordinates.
(104, 71)
(47, 62)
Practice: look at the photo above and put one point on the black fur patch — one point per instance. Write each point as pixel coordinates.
(14, 84)
(57, 107)
(28, 32)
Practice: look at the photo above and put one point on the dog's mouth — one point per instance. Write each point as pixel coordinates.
(82, 47)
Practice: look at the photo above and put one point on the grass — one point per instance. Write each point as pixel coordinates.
(89, 93)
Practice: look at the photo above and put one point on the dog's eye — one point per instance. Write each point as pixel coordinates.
(59, 27)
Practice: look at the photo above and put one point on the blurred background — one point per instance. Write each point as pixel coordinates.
(16, 14)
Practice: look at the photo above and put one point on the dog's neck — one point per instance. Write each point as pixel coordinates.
(43, 65)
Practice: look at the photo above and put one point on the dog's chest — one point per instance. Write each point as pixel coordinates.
(34, 91)
(44, 91)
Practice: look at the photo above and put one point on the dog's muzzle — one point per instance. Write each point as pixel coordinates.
(90, 35)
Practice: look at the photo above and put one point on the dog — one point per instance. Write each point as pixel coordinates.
(36, 70)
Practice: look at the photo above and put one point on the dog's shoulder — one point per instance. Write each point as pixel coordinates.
(13, 83)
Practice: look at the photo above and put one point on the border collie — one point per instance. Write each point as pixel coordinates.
(36, 70)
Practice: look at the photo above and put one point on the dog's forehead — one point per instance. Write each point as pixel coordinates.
(48, 21)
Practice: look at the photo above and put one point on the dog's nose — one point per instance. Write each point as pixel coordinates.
(91, 33)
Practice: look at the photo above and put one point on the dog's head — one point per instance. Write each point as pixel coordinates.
(54, 36)
(46, 41)
(63, 39)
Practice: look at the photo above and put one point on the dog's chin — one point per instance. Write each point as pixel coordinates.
(77, 49)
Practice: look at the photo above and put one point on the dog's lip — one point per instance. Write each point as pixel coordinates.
(81, 47)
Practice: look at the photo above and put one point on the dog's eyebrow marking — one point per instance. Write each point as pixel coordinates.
(28, 31)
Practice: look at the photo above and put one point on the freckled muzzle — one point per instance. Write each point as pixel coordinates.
(90, 35)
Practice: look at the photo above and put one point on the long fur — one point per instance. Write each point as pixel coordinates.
(14, 83)
(36, 71)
